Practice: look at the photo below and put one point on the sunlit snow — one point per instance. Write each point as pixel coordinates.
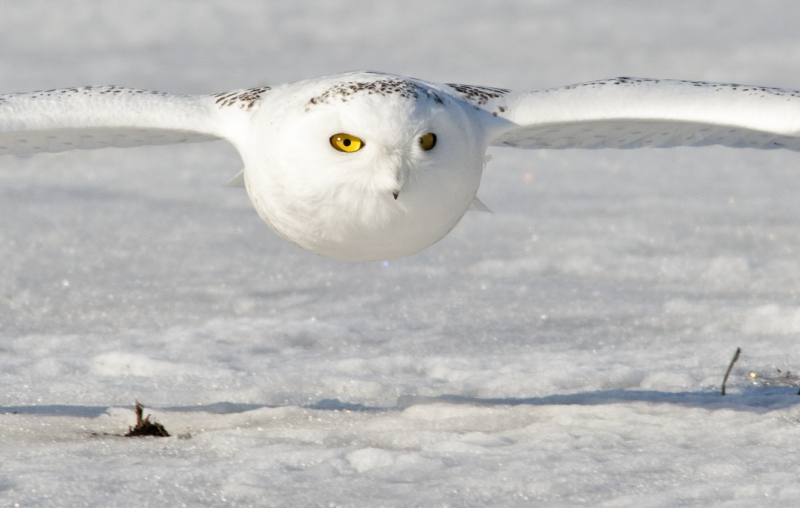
(566, 350)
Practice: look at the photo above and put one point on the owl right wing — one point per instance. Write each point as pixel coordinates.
(106, 116)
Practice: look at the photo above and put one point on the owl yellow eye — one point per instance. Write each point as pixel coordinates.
(427, 141)
(346, 143)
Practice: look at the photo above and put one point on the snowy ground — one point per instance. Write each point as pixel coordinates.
(565, 351)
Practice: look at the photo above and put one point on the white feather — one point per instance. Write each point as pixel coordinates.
(478, 206)
(638, 112)
(237, 181)
(104, 116)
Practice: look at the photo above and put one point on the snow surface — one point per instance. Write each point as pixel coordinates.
(566, 350)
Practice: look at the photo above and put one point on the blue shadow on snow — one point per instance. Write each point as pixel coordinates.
(748, 398)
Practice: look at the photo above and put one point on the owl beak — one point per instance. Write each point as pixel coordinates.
(400, 181)
(397, 172)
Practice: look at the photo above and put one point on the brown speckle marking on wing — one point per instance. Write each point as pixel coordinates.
(479, 95)
(84, 90)
(243, 99)
(383, 87)
(751, 90)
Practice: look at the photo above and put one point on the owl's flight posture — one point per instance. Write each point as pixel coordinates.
(370, 166)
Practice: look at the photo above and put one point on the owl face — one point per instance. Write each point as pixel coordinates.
(362, 168)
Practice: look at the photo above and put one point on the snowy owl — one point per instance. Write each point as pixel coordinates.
(370, 166)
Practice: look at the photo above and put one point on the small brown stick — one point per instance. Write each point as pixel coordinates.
(144, 427)
(730, 367)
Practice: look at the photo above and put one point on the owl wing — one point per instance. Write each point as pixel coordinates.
(98, 117)
(637, 112)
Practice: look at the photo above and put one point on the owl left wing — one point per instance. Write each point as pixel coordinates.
(638, 112)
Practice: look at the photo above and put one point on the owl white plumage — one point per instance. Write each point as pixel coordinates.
(370, 166)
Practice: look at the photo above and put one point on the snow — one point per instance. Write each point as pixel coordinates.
(566, 350)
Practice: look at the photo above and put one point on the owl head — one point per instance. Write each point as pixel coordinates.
(363, 166)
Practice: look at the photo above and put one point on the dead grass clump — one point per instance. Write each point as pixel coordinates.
(144, 427)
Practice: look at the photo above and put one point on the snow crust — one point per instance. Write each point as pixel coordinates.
(566, 350)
